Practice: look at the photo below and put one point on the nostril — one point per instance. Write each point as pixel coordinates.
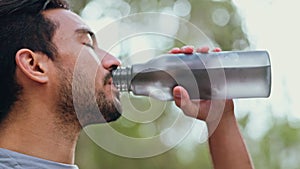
(113, 67)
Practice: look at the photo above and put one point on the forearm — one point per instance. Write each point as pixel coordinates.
(227, 147)
(226, 144)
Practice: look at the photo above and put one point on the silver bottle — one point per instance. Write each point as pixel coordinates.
(222, 75)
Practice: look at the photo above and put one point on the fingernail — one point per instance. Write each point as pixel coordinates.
(177, 96)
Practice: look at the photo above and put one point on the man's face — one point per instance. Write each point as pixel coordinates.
(82, 73)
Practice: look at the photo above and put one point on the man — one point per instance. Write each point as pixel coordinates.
(42, 43)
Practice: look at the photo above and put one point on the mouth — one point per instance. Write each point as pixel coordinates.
(108, 79)
(110, 82)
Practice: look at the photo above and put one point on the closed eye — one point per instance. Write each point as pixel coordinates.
(86, 37)
(89, 45)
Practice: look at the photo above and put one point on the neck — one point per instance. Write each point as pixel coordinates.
(41, 136)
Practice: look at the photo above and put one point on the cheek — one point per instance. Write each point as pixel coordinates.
(86, 65)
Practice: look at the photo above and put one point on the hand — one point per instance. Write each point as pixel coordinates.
(225, 140)
(190, 50)
(200, 108)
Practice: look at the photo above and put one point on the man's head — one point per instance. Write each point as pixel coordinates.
(42, 44)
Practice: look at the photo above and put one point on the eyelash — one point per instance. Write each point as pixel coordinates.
(89, 45)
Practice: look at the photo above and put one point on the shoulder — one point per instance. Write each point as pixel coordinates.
(7, 161)
(14, 160)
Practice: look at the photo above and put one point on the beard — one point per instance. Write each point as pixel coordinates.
(80, 104)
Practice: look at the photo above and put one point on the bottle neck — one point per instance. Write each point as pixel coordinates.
(122, 78)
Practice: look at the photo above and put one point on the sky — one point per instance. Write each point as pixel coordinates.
(273, 25)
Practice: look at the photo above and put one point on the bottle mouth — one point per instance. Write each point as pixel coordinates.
(121, 78)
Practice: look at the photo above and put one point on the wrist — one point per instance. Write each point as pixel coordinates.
(224, 122)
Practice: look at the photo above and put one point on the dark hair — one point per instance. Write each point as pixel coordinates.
(22, 26)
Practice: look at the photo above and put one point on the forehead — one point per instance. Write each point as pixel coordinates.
(68, 21)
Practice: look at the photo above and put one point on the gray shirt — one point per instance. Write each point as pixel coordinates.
(13, 160)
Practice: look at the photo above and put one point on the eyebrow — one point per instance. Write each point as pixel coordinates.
(86, 31)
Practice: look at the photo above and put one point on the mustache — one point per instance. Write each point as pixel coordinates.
(107, 78)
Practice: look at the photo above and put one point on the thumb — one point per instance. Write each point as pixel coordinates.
(181, 96)
(182, 100)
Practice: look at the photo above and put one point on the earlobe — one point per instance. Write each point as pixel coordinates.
(33, 65)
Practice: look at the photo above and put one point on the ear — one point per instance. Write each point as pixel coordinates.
(33, 65)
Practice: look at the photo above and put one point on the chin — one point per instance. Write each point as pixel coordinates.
(116, 111)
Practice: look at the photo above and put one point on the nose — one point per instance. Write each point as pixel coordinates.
(110, 62)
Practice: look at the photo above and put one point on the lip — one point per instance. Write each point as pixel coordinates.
(111, 83)
(114, 89)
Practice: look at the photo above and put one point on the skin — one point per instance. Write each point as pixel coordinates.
(39, 125)
(227, 147)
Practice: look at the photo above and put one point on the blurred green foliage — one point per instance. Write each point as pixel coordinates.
(277, 148)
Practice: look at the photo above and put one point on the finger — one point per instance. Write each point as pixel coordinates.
(182, 100)
(217, 50)
(175, 51)
(204, 49)
(187, 49)
(180, 96)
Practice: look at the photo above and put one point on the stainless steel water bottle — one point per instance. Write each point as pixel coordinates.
(222, 75)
